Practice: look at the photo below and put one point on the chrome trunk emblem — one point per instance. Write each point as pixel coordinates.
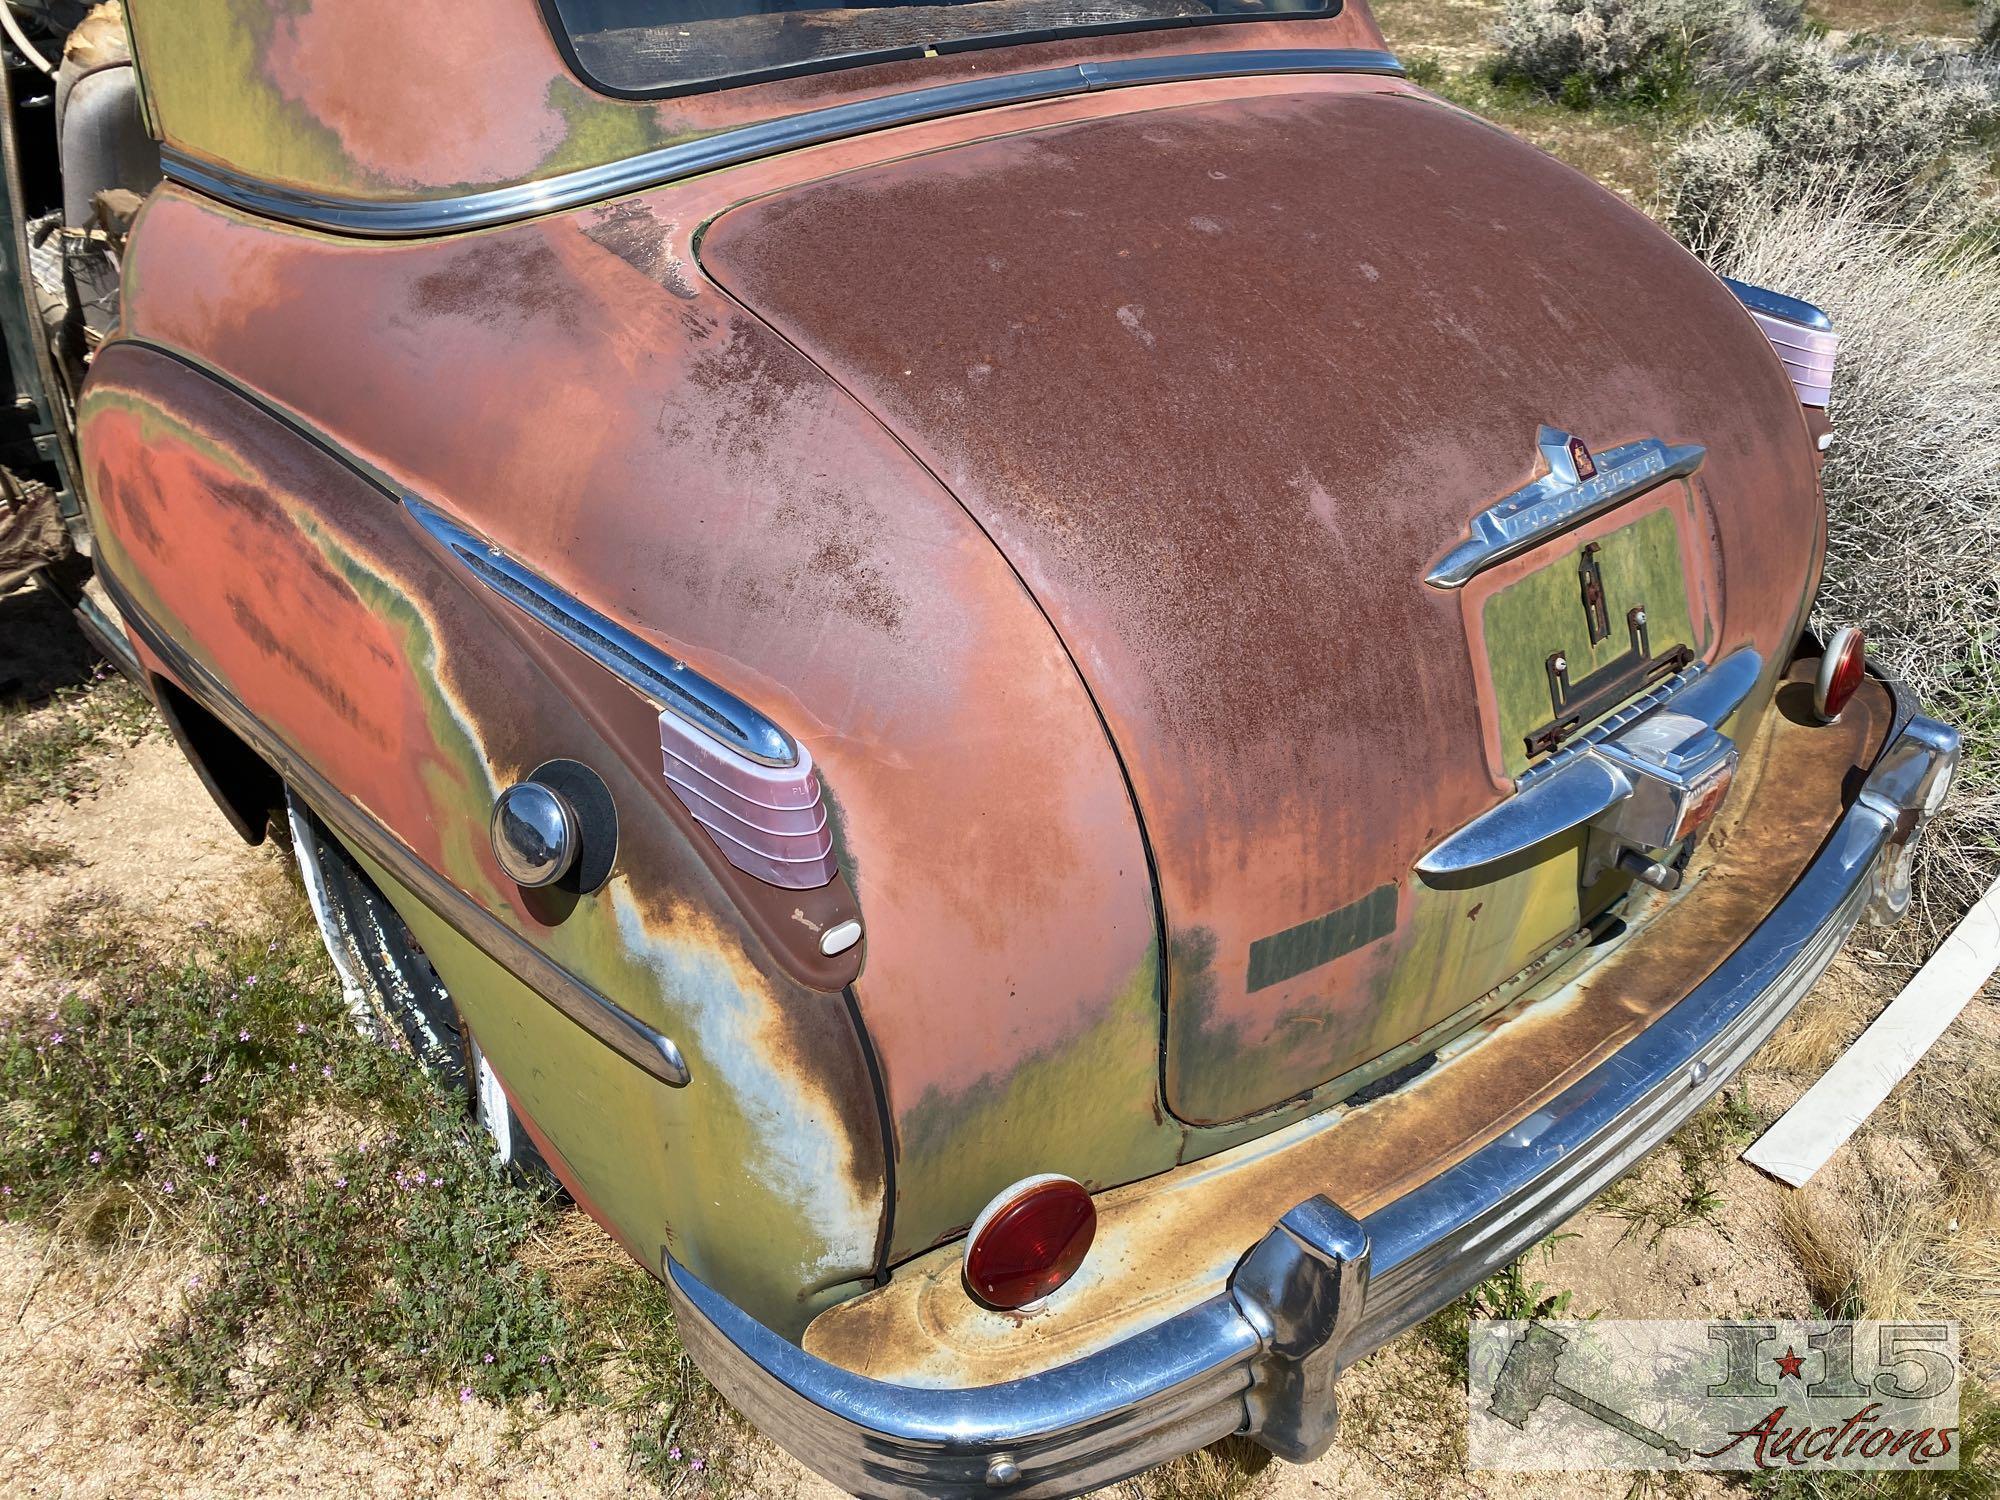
(1576, 487)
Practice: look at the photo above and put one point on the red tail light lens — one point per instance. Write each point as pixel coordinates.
(1028, 1241)
(1840, 672)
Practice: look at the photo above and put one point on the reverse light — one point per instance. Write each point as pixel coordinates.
(1028, 1241)
(1841, 669)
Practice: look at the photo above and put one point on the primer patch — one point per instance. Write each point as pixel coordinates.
(1284, 955)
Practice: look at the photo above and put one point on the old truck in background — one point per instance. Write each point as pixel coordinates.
(1074, 701)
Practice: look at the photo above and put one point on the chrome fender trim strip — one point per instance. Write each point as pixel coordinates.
(620, 1030)
(393, 218)
(668, 681)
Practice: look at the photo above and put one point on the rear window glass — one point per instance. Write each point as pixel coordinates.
(664, 46)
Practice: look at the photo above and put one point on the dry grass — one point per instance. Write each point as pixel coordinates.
(1825, 1024)
(1912, 482)
(1903, 1254)
(23, 853)
(1900, 20)
(1232, 1469)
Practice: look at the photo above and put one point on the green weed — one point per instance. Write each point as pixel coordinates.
(1690, 1191)
(358, 1242)
(47, 751)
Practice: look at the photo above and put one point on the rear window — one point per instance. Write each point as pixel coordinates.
(669, 46)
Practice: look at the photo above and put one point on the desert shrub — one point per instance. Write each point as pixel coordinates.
(1644, 51)
(1989, 29)
(1900, 130)
(1575, 50)
(1912, 478)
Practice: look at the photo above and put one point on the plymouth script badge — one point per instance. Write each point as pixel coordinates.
(1576, 487)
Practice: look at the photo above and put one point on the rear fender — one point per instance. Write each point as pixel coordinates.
(296, 601)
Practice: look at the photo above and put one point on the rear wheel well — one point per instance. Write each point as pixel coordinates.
(243, 785)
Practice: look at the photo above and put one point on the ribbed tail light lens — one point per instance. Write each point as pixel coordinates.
(1028, 1241)
(1840, 672)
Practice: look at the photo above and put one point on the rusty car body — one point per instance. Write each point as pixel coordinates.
(1097, 591)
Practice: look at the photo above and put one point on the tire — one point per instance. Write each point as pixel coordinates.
(393, 992)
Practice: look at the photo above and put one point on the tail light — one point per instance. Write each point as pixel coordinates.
(1840, 672)
(1028, 1241)
(1801, 334)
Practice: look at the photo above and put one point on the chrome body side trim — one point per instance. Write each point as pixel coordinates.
(1320, 1289)
(393, 218)
(1772, 304)
(1560, 500)
(610, 1023)
(669, 682)
(1587, 779)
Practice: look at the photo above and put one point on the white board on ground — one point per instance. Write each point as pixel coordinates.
(1808, 1133)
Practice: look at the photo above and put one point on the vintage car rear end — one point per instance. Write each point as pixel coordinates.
(1148, 695)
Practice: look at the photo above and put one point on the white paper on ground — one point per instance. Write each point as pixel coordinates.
(1808, 1133)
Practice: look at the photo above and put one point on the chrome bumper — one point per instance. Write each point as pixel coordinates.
(1322, 1288)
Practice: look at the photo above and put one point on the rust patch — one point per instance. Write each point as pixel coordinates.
(1054, 303)
(505, 280)
(630, 231)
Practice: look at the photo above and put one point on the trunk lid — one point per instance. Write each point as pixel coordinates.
(1225, 380)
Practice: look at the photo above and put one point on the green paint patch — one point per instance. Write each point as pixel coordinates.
(1542, 614)
(206, 83)
(597, 130)
(1286, 955)
(1085, 1106)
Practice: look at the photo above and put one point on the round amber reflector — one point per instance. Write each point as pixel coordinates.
(1028, 1241)
(1840, 672)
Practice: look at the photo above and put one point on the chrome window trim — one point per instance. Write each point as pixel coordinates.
(671, 683)
(404, 218)
(651, 1050)
(1320, 1289)
(1560, 500)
